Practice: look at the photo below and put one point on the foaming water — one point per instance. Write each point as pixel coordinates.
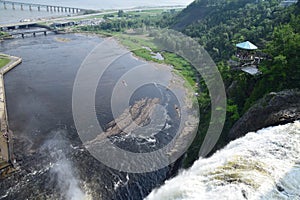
(62, 170)
(261, 165)
(67, 181)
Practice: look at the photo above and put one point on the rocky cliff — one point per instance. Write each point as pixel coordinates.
(273, 109)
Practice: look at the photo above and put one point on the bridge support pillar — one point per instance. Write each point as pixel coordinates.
(69, 9)
(4, 4)
(21, 6)
(30, 8)
(66, 9)
(39, 8)
(22, 35)
(73, 10)
(33, 34)
(54, 8)
(45, 33)
(13, 6)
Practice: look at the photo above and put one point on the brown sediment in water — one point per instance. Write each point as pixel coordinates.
(59, 39)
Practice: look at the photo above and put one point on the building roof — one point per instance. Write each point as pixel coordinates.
(246, 45)
(251, 70)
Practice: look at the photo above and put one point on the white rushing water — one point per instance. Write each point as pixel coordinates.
(67, 181)
(261, 165)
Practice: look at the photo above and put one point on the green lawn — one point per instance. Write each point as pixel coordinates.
(136, 43)
(3, 62)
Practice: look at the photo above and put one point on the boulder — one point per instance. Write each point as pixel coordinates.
(274, 109)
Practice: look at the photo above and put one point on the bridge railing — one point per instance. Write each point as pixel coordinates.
(48, 8)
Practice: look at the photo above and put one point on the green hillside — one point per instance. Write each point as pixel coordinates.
(218, 26)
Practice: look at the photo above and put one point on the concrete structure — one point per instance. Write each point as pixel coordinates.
(286, 3)
(34, 32)
(17, 26)
(60, 24)
(38, 7)
(6, 138)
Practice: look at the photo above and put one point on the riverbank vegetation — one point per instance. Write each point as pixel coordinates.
(218, 26)
(3, 61)
(4, 35)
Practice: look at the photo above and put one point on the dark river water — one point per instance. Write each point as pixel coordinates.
(52, 160)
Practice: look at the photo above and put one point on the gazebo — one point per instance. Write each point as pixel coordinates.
(246, 46)
(247, 57)
(246, 51)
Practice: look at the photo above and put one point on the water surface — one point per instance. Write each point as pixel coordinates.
(39, 102)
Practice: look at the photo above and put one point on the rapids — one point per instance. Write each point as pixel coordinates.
(261, 165)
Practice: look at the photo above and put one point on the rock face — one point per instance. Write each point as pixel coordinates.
(274, 109)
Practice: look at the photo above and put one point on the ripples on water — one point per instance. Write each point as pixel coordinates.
(9, 15)
(261, 165)
(39, 100)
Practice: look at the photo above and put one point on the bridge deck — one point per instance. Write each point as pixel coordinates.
(29, 32)
(18, 24)
(38, 5)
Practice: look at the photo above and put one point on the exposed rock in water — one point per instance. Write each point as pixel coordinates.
(274, 109)
(137, 114)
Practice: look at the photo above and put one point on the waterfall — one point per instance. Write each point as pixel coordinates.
(261, 165)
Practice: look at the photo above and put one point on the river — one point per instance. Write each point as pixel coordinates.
(53, 162)
(9, 15)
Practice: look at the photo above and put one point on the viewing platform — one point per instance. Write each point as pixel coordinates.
(248, 59)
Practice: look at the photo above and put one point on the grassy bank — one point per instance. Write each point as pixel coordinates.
(130, 32)
(137, 44)
(4, 35)
(3, 61)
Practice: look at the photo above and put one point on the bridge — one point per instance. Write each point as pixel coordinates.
(33, 32)
(26, 25)
(39, 7)
(17, 25)
(24, 28)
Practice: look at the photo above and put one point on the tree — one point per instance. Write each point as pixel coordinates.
(121, 13)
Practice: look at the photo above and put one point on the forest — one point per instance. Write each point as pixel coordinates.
(218, 26)
(273, 28)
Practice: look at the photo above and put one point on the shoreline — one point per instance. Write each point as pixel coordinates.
(6, 137)
(97, 13)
